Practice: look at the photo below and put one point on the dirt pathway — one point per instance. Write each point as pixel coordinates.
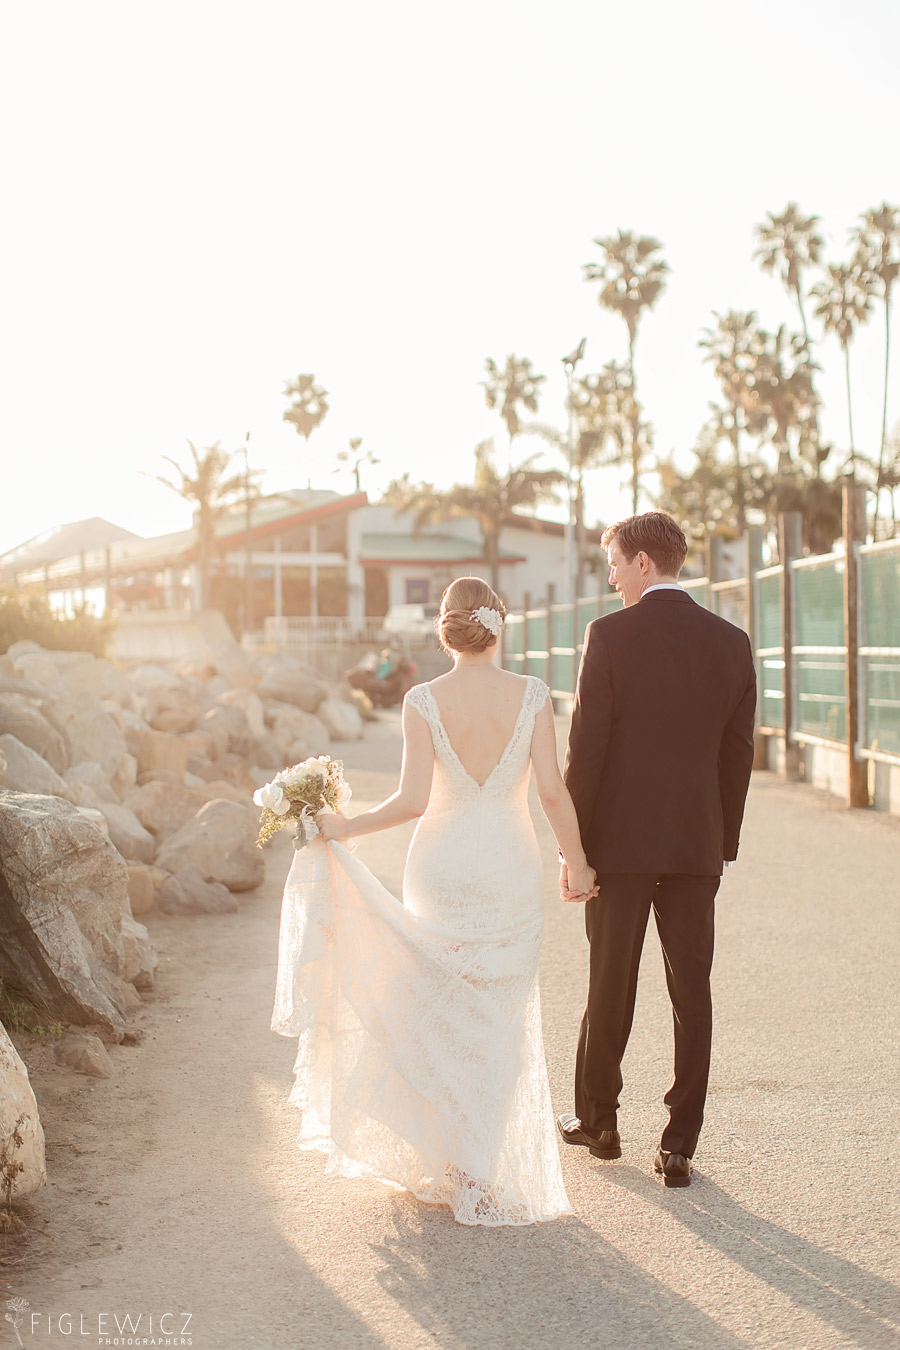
(176, 1187)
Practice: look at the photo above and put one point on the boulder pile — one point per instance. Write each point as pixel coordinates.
(128, 788)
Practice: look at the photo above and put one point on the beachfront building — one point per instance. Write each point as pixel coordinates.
(302, 553)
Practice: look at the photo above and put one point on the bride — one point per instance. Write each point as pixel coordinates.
(420, 1058)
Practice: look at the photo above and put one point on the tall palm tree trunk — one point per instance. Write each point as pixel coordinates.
(884, 407)
(580, 540)
(739, 493)
(846, 346)
(635, 423)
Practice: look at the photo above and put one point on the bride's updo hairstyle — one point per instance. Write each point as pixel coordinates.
(456, 629)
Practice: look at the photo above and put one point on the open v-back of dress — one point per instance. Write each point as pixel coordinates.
(420, 1057)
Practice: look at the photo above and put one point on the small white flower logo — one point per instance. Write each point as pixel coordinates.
(491, 619)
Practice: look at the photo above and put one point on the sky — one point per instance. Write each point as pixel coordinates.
(202, 201)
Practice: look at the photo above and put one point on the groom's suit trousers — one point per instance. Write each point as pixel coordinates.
(616, 922)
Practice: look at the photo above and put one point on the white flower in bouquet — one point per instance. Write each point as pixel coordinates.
(272, 798)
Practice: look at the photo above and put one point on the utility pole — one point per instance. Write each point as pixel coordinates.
(569, 364)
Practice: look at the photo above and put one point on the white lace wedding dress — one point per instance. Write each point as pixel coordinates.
(420, 1058)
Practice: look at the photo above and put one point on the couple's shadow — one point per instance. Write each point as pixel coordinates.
(563, 1284)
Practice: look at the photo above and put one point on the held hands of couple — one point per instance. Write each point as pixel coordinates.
(577, 886)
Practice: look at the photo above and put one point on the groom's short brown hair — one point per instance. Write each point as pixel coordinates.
(654, 533)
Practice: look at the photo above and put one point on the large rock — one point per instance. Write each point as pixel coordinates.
(20, 718)
(230, 791)
(290, 685)
(102, 678)
(225, 729)
(221, 841)
(342, 719)
(162, 808)
(188, 891)
(140, 958)
(125, 775)
(128, 834)
(21, 1133)
(232, 767)
(292, 725)
(27, 772)
(4, 767)
(142, 885)
(62, 890)
(159, 750)
(93, 776)
(250, 704)
(89, 731)
(85, 1052)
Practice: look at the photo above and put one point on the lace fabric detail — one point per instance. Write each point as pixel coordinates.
(420, 1059)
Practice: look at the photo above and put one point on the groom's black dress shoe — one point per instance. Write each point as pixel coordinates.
(674, 1167)
(606, 1144)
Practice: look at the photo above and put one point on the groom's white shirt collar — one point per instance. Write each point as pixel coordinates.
(662, 586)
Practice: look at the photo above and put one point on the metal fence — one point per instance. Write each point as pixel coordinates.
(547, 641)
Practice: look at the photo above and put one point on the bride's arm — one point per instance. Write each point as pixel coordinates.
(411, 797)
(557, 804)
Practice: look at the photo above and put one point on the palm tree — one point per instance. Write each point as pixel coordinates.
(602, 407)
(781, 398)
(491, 498)
(789, 245)
(515, 386)
(632, 277)
(716, 493)
(208, 488)
(309, 406)
(355, 458)
(732, 348)
(878, 256)
(843, 304)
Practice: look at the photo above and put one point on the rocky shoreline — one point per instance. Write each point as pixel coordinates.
(124, 789)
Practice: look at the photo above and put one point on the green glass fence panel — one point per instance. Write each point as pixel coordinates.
(881, 598)
(564, 671)
(698, 590)
(730, 602)
(587, 610)
(538, 631)
(881, 729)
(821, 696)
(819, 605)
(562, 625)
(610, 602)
(513, 634)
(769, 609)
(770, 674)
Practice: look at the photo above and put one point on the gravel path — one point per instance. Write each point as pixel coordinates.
(176, 1185)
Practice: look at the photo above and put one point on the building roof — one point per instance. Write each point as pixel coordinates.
(64, 541)
(425, 550)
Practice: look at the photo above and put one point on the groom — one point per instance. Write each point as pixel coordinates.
(658, 765)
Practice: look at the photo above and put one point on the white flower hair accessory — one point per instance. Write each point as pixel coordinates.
(491, 619)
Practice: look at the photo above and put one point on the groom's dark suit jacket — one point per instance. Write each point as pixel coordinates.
(661, 743)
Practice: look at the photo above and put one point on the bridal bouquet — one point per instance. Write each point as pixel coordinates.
(296, 794)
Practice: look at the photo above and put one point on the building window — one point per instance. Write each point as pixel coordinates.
(417, 590)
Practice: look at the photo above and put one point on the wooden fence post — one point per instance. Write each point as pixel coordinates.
(551, 594)
(854, 506)
(753, 561)
(790, 545)
(526, 606)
